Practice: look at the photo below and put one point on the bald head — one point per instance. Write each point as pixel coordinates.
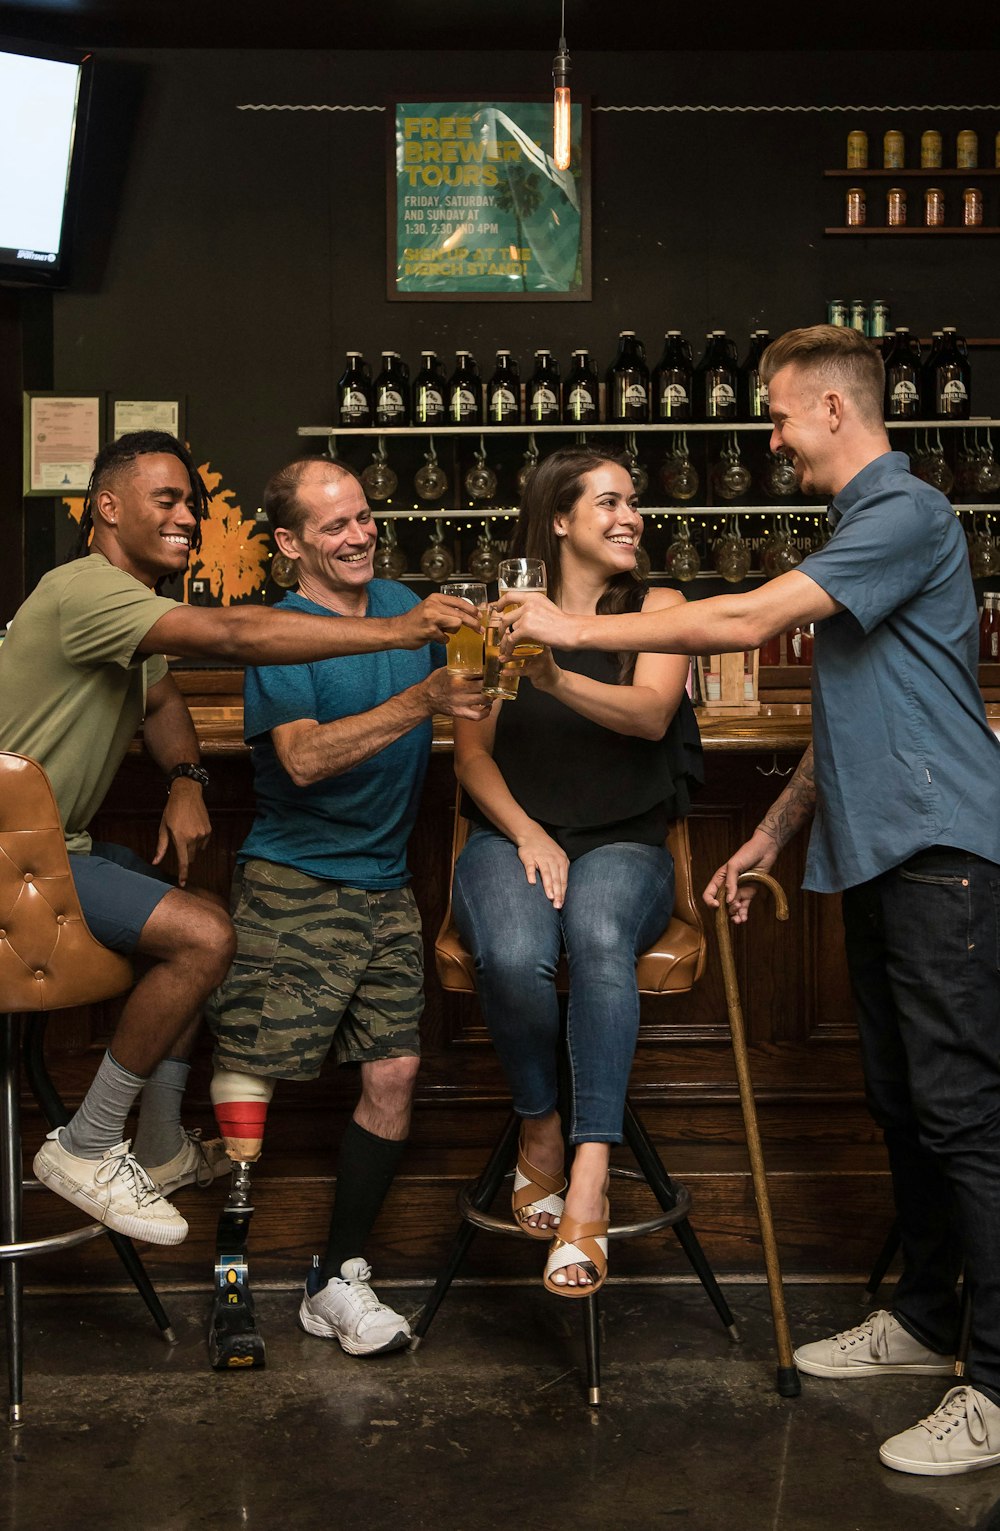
(282, 505)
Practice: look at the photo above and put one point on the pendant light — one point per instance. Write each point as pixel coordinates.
(561, 111)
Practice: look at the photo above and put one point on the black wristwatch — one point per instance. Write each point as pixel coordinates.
(187, 768)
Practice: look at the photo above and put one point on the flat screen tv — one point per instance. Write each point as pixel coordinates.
(44, 95)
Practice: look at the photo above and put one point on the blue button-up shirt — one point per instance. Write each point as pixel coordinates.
(904, 756)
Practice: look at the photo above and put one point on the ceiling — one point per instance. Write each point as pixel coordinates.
(495, 25)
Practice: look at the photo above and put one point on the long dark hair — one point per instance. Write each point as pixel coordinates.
(115, 456)
(552, 490)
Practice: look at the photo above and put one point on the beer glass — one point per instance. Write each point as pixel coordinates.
(378, 478)
(480, 481)
(521, 574)
(730, 555)
(388, 560)
(436, 561)
(430, 481)
(465, 648)
(683, 561)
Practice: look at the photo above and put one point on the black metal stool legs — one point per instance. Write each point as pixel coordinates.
(663, 1189)
(56, 1115)
(481, 1198)
(10, 1192)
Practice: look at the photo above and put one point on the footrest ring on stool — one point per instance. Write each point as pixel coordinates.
(493, 1224)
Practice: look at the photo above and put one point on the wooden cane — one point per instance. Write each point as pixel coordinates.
(788, 1382)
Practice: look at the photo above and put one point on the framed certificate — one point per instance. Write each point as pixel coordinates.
(144, 415)
(62, 436)
(476, 207)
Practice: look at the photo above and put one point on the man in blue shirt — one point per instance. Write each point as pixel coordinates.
(902, 787)
(329, 948)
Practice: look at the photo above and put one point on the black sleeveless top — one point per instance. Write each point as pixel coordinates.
(586, 784)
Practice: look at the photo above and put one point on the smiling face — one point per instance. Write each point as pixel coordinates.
(603, 529)
(800, 408)
(144, 517)
(333, 543)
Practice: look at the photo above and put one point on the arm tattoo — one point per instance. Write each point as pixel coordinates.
(794, 807)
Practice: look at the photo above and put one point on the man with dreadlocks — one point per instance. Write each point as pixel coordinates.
(82, 666)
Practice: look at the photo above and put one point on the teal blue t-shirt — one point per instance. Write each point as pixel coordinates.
(352, 828)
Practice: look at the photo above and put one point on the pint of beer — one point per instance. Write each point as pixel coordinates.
(521, 574)
(465, 648)
(500, 676)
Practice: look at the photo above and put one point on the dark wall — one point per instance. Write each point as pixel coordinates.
(247, 248)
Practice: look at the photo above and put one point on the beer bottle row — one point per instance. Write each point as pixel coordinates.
(937, 386)
(719, 388)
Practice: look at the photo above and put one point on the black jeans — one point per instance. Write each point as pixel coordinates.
(923, 950)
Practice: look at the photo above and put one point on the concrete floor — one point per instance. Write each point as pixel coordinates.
(485, 1427)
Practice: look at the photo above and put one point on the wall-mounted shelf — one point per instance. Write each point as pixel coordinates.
(721, 427)
(873, 230)
(691, 512)
(911, 175)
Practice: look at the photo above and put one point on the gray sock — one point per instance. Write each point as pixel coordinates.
(100, 1122)
(160, 1135)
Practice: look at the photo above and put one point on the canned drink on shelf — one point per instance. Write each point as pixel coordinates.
(857, 150)
(859, 315)
(837, 313)
(933, 207)
(895, 207)
(930, 150)
(972, 206)
(967, 150)
(878, 319)
(893, 150)
(855, 207)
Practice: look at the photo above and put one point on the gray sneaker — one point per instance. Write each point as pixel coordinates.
(113, 1189)
(199, 1162)
(346, 1309)
(961, 1436)
(879, 1347)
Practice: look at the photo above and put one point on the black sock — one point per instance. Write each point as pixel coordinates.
(365, 1170)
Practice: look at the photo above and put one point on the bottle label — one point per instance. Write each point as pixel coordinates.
(463, 403)
(722, 397)
(353, 404)
(635, 396)
(674, 396)
(580, 401)
(994, 645)
(953, 392)
(390, 404)
(904, 394)
(502, 404)
(543, 404)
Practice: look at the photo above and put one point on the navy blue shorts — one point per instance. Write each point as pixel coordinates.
(118, 891)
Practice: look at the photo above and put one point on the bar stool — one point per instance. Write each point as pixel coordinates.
(48, 961)
(671, 966)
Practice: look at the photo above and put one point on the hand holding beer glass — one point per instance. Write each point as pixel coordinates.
(501, 677)
(465, 648)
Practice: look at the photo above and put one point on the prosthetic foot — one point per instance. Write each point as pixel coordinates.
(234, 1341)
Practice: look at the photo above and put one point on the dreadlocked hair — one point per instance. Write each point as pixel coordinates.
(118, 455)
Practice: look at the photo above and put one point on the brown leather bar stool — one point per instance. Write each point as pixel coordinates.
(671, 966)
(48, 961)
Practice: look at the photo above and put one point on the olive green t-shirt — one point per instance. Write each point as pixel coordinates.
(72, 687)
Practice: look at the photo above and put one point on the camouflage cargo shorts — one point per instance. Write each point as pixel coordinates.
(317, 965)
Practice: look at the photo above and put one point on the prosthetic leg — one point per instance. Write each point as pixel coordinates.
(240, 1102)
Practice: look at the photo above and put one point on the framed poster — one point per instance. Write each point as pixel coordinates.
(476, 208)
(62, 436)
(144, 415)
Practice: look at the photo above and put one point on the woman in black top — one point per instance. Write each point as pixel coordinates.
(572, 787)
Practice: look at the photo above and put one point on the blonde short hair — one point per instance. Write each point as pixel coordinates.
(839, 356)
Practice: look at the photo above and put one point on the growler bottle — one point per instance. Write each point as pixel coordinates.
(715, 379)
(628, 383)
(503, 392)
(541, 396)
(989, 630)
(392, 392)
(902, 377)
(581, 391)
(429, 392)
(354, 392)
(672, 380)
(951, 392)
(750, 391)
(465, 392)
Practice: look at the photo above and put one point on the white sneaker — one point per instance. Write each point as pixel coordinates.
(961, 1436)
(198, 1162)
(113, 1189)
(346, 1309)
(879, 1347)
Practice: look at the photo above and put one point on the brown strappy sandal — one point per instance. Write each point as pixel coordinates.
(583, 1244)
(535, 1192)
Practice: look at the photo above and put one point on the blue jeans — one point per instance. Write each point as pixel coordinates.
(923, 949)
(619, 899)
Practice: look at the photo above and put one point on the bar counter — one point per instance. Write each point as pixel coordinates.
(829, 1178)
